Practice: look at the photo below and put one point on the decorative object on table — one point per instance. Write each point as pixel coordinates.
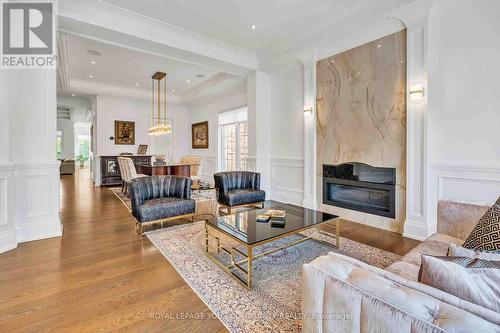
(263, 218)
(199, 135)
(159, 119)
(82, 159)
(277, 223)
(276, 214)
(203, 184)
(239, 189)
(142, 149)
(160, 160)
(124, 132)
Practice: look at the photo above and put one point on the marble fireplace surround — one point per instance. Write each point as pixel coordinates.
(361, 117)
(420, 204)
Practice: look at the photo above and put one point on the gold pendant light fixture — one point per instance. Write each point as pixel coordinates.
(159, 121)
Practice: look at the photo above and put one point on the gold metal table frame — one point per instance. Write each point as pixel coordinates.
(249, 255)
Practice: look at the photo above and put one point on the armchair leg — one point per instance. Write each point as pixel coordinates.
(228, 210)
(138, 228)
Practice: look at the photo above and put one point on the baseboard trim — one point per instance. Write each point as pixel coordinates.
(28, 233)
(8, 241)
(415, 230)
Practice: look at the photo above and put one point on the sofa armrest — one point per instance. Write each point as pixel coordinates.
(338, 295)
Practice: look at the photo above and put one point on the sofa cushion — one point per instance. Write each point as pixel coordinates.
(389, 303)
(436, 245)
(244, 196)
(457, 219)
(405, 270)
(486, 235)
(473, 280)
(458, 251)
(162, 208)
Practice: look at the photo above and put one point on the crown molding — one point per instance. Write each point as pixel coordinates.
(413, 15)
(216, 84)
(115, 24)
(63, 77)
(103, 89)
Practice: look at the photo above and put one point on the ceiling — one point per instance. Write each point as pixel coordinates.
(125, 68)
(284, 24)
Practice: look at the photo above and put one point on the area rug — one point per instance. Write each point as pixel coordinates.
(123, 198)
(273, 305)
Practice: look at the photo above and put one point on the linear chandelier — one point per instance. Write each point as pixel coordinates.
(159, 121)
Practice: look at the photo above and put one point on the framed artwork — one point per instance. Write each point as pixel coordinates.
(124, 132)
(142, 149)
(199, 135)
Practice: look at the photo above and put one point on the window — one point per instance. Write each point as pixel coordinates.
(59, 144)
(234, 140)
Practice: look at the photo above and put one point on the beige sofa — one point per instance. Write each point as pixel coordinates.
(341, 294)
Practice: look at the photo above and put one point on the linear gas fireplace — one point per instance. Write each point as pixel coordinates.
(360, 187)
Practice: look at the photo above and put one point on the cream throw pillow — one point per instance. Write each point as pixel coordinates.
(476, 285)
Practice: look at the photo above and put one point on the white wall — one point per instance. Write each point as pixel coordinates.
(287, 132)
(206, 109)
(110, 109)
(67, 127)
(464, 103)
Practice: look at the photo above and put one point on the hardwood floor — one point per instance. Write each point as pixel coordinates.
(102, 277)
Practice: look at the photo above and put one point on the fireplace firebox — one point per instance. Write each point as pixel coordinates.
(361, 187)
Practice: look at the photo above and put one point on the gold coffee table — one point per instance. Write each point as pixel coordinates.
(244, 229)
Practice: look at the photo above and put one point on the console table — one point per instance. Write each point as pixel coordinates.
(110, 171)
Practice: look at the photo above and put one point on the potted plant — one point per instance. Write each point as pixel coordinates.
(82, 159)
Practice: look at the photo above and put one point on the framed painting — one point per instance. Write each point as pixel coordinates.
(199, 135)
(142, 149)
(124, 132)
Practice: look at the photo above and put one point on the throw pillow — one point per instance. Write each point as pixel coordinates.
(473, 280)
(486, 234)
(458, 251)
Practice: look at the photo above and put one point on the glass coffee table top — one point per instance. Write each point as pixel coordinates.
(244, 225)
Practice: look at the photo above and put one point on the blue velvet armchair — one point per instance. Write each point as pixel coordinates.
(159, 199)
(239, 188)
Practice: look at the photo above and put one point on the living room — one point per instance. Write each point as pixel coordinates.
(253, 167)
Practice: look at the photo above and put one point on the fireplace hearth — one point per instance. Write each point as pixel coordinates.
(360, 187)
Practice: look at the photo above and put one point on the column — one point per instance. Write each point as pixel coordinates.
(414, 16)
(310, 173)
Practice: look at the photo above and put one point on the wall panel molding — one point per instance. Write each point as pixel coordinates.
(287, 184)
(8, 239)
(473, 184)
(37, 201)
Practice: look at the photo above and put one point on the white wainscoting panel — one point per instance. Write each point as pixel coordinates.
(37, 201)
(287, 180)
(456, 182)
(8, 239)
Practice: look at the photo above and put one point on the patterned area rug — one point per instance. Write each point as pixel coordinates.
(273, 305)
(123, 198)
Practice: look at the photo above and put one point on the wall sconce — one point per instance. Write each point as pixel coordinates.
(416, 92)
(308, 110)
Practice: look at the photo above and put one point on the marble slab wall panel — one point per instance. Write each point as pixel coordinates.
(361, 114)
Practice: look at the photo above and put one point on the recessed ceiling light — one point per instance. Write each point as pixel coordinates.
(188, 81)
(253, 27)
(172, 90)
(92, 62)
(200, 75)
(73, 95)
(137, 84)
(91, 76)
(379, 45)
